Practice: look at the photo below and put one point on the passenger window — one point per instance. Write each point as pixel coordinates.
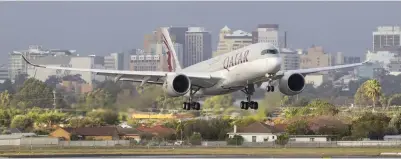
(269, 51)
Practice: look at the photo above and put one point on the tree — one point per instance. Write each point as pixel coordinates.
(218, 102)
(105, 117)
(77, 122)
(52, 81)
(271, 101)
(235, 140)
(282, 139)
(7, 86)
(34, 93)
(5, 99)
(19, 80)
(22, 122)
(195, 139)
(321, 107)
(52, 117)
(169, 102)
(372, 89)
(371, 126)
(6, 116)
(299, 127)
(360, 97)
(98, 98)
(394, 99)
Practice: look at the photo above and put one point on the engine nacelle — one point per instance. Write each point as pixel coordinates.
(176, 85)
(292, 84)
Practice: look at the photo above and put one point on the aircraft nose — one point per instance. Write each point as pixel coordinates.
(274, 64)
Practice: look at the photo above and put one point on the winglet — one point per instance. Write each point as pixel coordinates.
(173, 63)
(30, 63)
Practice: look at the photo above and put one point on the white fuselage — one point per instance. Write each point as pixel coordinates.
(240, 68)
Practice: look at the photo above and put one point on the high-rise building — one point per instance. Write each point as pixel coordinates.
(3, 73)
(386, 38)
(114, 61)
(18, 66)
(198, 46)
(155, 60)
(177, 35)
(316, 57)
(229, 41)
(291, 59)
(340, 59)
(266, 33)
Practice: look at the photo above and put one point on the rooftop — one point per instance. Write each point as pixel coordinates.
(258, 127)
(225, 29)
(239, 33)
(196, 29)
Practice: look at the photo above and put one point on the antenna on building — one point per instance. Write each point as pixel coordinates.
(285, 39)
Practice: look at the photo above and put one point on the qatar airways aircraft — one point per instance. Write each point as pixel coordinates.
(237, 70)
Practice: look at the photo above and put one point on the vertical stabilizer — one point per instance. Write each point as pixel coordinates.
(172, 59)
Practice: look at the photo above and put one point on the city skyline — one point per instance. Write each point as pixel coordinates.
(113, 26)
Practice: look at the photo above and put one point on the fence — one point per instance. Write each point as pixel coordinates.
(54, 142)
(95, 143)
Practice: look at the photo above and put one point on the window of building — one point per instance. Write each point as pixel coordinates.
(253, 138)
(312, 139)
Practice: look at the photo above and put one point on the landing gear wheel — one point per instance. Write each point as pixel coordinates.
(242, 105)
(196, 106)
(256, 106)
(188, 107)
(246, 105)
(184, 105)
(270, 88)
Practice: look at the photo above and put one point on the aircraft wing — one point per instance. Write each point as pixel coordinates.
(320, 69)
(199, 79)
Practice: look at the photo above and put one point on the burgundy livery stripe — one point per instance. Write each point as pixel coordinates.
(170, 67)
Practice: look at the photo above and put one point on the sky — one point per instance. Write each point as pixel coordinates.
(105, 27)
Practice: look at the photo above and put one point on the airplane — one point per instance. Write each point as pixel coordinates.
(240, 69)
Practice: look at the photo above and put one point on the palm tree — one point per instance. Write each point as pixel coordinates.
(372, 90)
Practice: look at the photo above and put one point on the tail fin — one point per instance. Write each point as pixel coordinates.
(172, 60)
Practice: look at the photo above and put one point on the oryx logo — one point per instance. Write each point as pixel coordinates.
(169, 56)
(239, 58)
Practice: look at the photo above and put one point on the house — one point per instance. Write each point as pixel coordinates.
(129, 133)
(87, 133)
(310, 138)
(257, 132)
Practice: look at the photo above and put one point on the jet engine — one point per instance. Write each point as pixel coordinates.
(176, 85)
(292, 83)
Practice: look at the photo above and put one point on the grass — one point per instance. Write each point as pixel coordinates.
(297, 152)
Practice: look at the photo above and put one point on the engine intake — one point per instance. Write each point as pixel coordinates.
(176, 85)
(292, 84)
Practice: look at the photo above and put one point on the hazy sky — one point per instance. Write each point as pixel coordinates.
(105, 27)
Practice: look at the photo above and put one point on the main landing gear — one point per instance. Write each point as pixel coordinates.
(190, 104)
(248, 103)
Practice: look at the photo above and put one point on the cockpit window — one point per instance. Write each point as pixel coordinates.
(270, 51)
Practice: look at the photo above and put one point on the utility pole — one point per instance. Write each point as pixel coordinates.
(54, 99)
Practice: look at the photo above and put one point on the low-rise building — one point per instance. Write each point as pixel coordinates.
(257, 132)
(310, 138)
(87, 133)
(316, 79)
